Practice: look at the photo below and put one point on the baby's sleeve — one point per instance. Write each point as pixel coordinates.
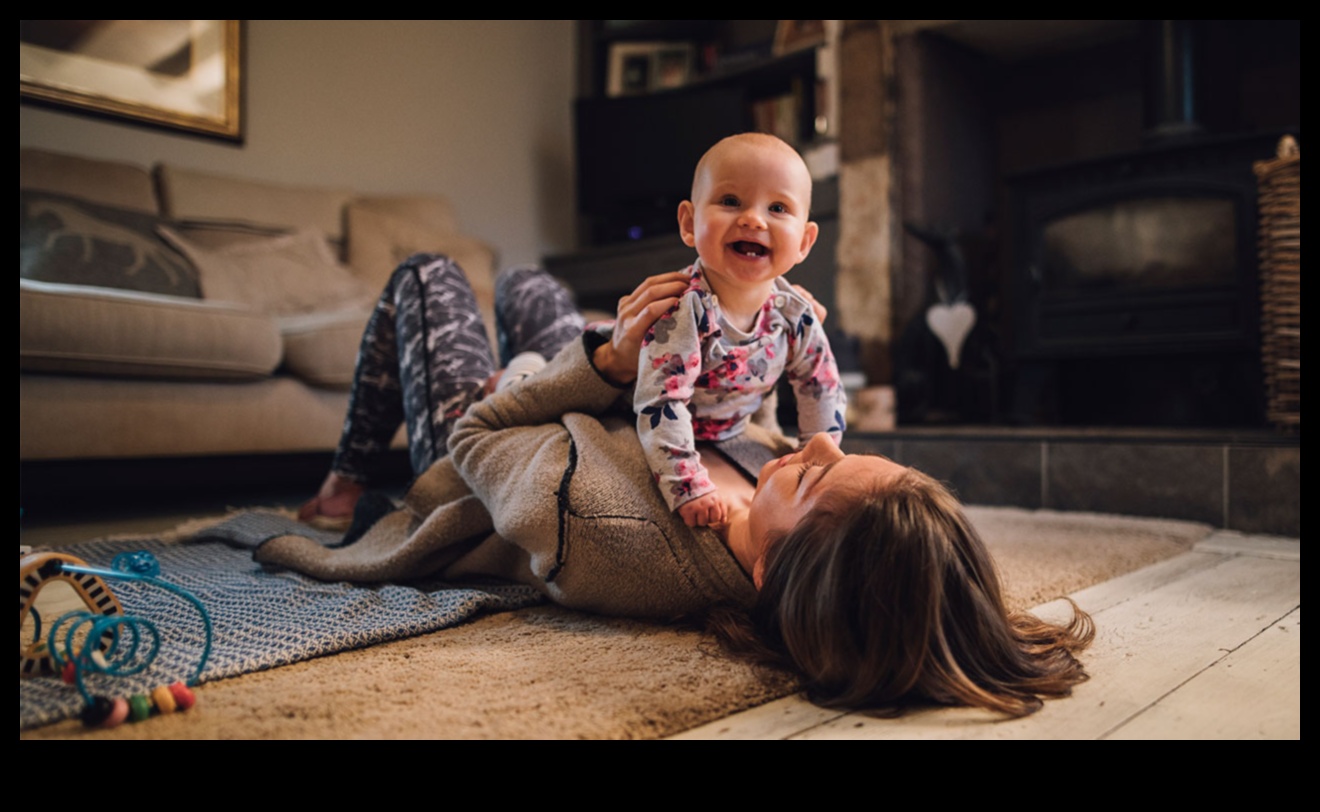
(814, 375)
(668, 367)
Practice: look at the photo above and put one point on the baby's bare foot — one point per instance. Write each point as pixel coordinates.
(334, 502)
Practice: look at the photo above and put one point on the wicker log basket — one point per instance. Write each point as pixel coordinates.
(1280, 189)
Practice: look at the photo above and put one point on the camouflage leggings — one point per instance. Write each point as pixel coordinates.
(425, 355)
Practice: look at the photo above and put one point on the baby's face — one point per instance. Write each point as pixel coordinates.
(748, 213)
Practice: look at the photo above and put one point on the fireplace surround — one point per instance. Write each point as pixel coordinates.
(1135, 286)
(1110, 165)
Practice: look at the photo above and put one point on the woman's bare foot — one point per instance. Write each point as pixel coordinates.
(332, 507)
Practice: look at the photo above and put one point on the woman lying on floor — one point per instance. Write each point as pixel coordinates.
(862, 575)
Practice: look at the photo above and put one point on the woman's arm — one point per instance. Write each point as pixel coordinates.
(617, 360)
(494, 446)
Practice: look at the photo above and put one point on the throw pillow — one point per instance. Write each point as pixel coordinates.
(70, 241)
(283, 275)
(210, 235)
(378, 242)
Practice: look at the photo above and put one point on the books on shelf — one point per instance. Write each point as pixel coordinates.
(780, 115)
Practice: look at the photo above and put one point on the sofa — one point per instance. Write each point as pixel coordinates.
(172, 313)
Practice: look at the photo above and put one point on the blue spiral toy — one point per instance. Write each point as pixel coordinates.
(105, 642)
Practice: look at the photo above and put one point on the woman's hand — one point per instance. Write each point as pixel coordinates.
(617, 361)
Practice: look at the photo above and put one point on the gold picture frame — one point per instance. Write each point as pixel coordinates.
(180, 74)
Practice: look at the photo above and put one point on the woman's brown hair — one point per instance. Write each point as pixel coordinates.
(891, 600)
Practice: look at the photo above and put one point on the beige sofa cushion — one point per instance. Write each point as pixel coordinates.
(428, 211)
(378, 241)
(289, 273)
(110, 183)
(322, 348)
(189, 195)
(99, 331)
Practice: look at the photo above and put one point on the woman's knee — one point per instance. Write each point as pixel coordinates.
(429, 270)
(513, 280)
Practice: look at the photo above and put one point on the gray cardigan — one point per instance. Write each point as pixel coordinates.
(546, 484)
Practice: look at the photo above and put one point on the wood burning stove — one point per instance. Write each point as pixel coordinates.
(1135, 275)
(1143, 262)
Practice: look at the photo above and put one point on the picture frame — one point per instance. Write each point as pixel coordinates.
(672, 65)
(184, 75)
(795, 35)
(645, 67)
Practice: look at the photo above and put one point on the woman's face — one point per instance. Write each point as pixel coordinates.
(789, 487)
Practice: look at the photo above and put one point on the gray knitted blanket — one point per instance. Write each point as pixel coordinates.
(260, 617)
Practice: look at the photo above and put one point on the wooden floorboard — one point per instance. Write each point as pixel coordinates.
(1176, 642)
(1145, 648)
(1253, 693)
(1230, 542)
(780, 719)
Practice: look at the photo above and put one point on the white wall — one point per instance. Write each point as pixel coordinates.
(476, 110)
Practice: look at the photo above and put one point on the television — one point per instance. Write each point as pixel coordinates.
(636, 154)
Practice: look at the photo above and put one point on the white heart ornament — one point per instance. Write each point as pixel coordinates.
(951, 324)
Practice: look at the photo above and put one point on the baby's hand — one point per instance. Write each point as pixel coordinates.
(705, 511)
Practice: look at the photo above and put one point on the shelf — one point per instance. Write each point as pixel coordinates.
(745, 51)
(641, 124)
(637, 30)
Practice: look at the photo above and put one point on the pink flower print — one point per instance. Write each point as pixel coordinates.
(765, 324)
(823, 376)
(677, 388)
(827, 377)
(734, 364)
(669, 364)
(712, 428)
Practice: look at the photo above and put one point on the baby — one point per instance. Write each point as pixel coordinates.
(708, 363)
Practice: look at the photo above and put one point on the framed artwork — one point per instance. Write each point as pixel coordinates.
(794, 35)
(672, 66)
(643, 67)
(180, 74)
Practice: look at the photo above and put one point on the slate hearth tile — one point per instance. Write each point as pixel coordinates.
(1138, 479)
(981, 472)
(1265, 490)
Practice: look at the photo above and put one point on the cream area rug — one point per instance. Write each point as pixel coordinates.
(547, 673)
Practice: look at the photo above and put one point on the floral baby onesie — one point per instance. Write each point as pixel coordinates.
(700, 378)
